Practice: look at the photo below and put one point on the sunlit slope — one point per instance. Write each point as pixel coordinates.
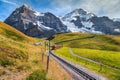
(101, 42)
(10, 32)
(13, 45)
(19, 55)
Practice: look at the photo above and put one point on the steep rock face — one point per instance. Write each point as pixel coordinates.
(53, 22)
(35, 24)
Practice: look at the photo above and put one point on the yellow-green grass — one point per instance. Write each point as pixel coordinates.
(104, 49)
(18, 54)
(100, 42)
(109, 58)
(9, 32)
(14, 44)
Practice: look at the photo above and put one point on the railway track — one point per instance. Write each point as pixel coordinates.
(75, 70)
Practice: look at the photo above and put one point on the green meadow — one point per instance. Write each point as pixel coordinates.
(104, 49)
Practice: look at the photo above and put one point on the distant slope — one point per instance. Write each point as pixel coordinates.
(101, 42)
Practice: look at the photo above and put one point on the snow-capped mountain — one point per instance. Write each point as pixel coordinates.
(78, 13)
(81, 20)
(38, 24)
(34, 23)
(116, 19)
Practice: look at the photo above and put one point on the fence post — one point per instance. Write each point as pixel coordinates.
(48, 57)
(100, 67)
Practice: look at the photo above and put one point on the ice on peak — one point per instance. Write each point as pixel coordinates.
(42, 26)
(83, 14)
(38, 13)
(116, 19)
(87, 24)
(117, 30)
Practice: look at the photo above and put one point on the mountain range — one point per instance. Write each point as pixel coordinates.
(37, 24)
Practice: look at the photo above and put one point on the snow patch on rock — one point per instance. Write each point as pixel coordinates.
(42, 26)
(117, 30)
(38, 13)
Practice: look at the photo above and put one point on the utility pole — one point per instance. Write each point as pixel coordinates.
(49, 51)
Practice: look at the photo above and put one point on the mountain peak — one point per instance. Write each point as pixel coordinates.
(25, 6)
(78, 13)
(79, 9)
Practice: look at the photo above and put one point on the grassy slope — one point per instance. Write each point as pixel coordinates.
(18, 54)
(103, 48)
(101, 42)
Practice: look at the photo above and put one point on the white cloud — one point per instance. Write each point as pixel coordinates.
(109, 8)
(9, 2)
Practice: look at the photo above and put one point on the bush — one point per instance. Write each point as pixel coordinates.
(5, 62)
(37, 75)
(35, 61)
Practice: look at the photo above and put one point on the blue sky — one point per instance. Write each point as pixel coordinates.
(109, 8)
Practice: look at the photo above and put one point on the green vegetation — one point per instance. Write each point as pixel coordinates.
(37, 75)
(101, 42)
(104, 49)
(106, 71)
(12, 44)
(19, 55)
(16, 48)
(110, 58)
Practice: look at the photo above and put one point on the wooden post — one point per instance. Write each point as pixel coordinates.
(42, 55)
(48, 57)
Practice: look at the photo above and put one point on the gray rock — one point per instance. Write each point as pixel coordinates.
(105, 25)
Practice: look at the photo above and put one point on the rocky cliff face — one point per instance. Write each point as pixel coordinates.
(35, 24)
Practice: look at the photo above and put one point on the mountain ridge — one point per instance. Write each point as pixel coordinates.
(36, 24)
